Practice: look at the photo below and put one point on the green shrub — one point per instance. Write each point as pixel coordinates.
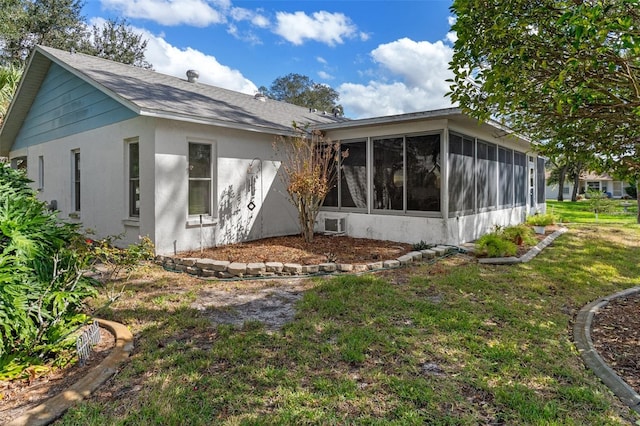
(42, 281)
(599, 202)
(422, 245)
(117, 259)
(495, 245)
(631, 191)
(541, 219)
(520, 234)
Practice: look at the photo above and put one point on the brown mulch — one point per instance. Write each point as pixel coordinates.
(616, 337)
(293, 249)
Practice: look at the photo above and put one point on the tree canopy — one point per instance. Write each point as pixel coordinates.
(114, 40)
(566, 72)
(26, 23)
(300, 90)
(59, 24)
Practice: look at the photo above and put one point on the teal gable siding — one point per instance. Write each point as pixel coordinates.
(66, 105)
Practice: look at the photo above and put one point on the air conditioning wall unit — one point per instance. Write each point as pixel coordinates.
(335, 225)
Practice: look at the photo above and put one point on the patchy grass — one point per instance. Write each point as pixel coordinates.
(448, 343)
(581, 211)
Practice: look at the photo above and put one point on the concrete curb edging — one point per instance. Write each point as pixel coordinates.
(219, 269)
(54, 407)
(593, 360)
(533, 252)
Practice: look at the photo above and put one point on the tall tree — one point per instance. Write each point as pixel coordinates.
(25, 23)
(553, 64)
(116, 40)
(300, 90)
(9, 78)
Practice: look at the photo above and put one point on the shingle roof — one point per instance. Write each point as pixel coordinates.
(150, 93)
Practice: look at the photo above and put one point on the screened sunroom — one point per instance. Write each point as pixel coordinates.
(438, 176)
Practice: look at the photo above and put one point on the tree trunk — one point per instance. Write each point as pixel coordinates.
(638, 199)
(562, 171)
(576, 182)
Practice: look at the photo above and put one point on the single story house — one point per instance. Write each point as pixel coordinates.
(131, 152)
(589, 181)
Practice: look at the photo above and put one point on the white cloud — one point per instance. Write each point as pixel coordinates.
(323, 27)
(325, 75)
(242, 14)
(168, 59)
(198, 13)
(411, 78)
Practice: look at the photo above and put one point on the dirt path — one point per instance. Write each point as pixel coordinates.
(269, 302)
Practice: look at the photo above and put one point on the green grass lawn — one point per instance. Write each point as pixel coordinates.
(582, 212)
(444, 343)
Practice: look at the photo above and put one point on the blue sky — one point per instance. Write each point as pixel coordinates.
(383, 57)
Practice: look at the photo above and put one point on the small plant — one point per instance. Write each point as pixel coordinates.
(541, 219)
(118, 260)
(331, 257)
(422, 245)
(519, 235)
(599, 202)
(495, 245)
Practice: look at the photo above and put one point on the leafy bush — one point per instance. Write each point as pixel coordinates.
(117, 259)
(599, 202)
(495, 245)
(520, 234)
(42, 281)
(541, 219)
(631, 191)
(422, 245)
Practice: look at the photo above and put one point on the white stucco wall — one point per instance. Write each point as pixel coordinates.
(104, 207)
(245, 172)
(413, 229)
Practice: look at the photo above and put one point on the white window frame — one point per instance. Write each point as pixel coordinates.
(617, 188)
(40, 172)
(76, 181)
(194, 219)
(131, 180)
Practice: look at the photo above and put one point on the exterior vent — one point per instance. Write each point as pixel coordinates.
(260, 97)
(192, 76)
(335, 225)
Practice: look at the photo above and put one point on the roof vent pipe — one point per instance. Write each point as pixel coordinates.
(192, 76)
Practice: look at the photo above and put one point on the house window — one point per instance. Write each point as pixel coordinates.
(505, 177)
(75, 193)
(565, 190)
(40, 172)
(388, 174)
(540, 181)
(593, 186)
(351, 189)
(520, 178)
(461, 174)
(486, 175)
(423, 173)
(134, 179)
(19, 163)
(200, 179)
(617, 188)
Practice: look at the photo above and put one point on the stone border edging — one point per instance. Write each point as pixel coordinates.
(533, 252)
(223, 269)
(54, 407)
(593, 360)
